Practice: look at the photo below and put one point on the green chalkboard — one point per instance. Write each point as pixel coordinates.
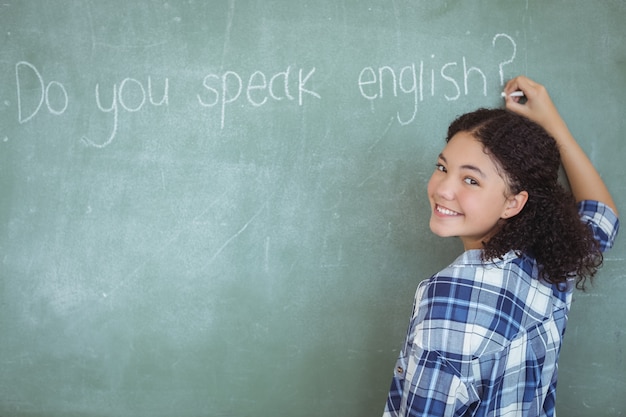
(218, 208)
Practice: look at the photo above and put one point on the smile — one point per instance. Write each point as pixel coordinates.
(446, 211)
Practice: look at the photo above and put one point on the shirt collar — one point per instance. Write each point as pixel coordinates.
(474, 257)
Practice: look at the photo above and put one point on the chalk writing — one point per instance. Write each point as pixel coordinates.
(226, 91)
(413, 79)
(43, 90)
(508, 61)
(122, 96)
(227, 88)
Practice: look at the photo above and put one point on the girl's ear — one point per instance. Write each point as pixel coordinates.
(515, 204)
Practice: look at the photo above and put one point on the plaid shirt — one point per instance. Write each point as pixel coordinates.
(484, 338)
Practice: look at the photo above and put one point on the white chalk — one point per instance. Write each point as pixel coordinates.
(514, 94)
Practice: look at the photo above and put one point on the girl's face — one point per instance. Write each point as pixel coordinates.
(467, 195)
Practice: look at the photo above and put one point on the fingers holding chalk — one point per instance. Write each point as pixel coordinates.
(513, 94)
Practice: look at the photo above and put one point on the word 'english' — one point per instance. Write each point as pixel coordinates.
(419, 81)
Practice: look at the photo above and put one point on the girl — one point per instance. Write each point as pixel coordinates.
(485, 332)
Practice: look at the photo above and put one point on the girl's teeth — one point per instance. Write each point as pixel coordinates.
(446, 211)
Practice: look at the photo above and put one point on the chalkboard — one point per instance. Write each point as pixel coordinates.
(219, 208)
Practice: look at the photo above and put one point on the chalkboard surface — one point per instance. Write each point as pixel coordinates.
(219, 209)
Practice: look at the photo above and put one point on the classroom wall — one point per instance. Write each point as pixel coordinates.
(219, 208)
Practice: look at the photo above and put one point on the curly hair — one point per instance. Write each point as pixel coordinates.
(549, 227)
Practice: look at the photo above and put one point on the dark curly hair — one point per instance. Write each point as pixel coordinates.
(549, 227)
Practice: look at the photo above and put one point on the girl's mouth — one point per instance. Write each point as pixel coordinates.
(446, 211)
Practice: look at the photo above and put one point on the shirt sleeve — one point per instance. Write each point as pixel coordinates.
(602, 221)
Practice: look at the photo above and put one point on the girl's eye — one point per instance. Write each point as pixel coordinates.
(440, 167)
(470, 181)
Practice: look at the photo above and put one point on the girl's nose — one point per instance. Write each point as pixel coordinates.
(444, 188)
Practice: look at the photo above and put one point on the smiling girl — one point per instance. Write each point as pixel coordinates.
(486, 331)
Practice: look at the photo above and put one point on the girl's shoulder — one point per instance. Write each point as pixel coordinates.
(488, 302)
(473, 282)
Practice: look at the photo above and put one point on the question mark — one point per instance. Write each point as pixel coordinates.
(503, 63)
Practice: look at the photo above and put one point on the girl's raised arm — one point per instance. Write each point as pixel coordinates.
(584, 179)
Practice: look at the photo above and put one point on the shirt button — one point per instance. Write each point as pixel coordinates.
(399, 370)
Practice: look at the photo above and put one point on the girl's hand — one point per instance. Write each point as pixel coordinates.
(537, 106)
(585, 181)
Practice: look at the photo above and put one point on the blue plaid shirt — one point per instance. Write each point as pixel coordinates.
(484, 338)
